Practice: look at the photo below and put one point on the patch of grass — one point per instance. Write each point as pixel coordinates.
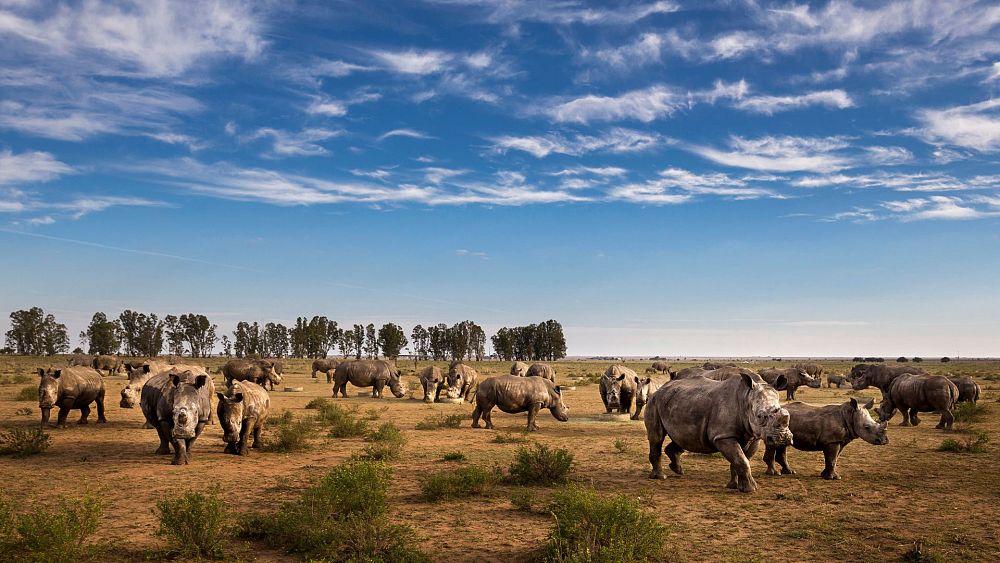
(508, 438)
(440, 421)
(457, 483)
(970, 444)
(373, 414)
(384, 444)
(29, 393)
(318, 403)
(524, 499)
(7, 525)
(60, 533)
(453, 456)
(621, 445)
(590, 528)
(287, 434)
(341, 518)
(343, 423)
(589, 379)
(919, 554)
(21, 379)
(195, 525)
(23, 442)
(968, 412)
(24, 411)
(540, 465)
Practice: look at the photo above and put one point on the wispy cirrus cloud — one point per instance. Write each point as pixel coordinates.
(403, 132)
(615, 140)
(974, 126)
(780, 153)
(564, 12)
(676, 186)
(836, 99)
(412, 61)
(300, 143)
(30, 167)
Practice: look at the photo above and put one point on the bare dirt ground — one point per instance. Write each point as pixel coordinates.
(890, 496)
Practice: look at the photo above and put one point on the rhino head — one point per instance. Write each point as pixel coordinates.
(642, 392)
(866, 428)
(231, 417)
(398, 388)
(186, 401)
(271, 374)
(48, 391)
(809, 380)
(613, 388)
(886, 409)
(454, 383)
(130, 395)
(430, 383)
(861, 376)
(556, 405)
(767, 419)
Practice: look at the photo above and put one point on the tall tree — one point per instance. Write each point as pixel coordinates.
(34, 333)
(276, 337)
(421, 342)
(371, 341)
(175, 335)
(358, 336)
(102, 335)
(199, 334)
(141, 334)
(346, 343)
(503, 344)
(391, 339)
(227, 346)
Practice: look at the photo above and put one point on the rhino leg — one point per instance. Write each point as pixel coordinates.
(314, 375)
(329, 376)
(241, 447)
(625, 405)
(830, 455)
(100, 408)
(532, 415)
(63, 414)
(257, 429)
(470, 393)
(674, 452)
(914, 419)
(783, 462)
(476, 413)
(437, 394)
(163, 430)
(790, 393)
(377, 389)
(769, 452)
(604, 397)
(946, 419)
(180, 452)
(739, 466)
(655, 455)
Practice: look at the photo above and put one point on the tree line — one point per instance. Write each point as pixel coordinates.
(33, 332)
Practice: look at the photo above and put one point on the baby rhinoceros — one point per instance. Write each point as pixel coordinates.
(242, 410)
(462, 381)
(432, 381)
(70, 388)
(513, 394)
(826, 429)
(837, 379)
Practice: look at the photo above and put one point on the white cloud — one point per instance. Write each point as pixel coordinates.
(773, 104)
(975, 126)
(436, 174)
(902, 182)
(28, 167)
(413, 61)
(411, 133)
(604, 171)
(935, 207)
(302, 143)
(330, 107)
(676, 186)
(642, 105)
(616, 140)
(889, 155)
(779, 154)
(465, 253)
(733, 45)
(563, 12)
(379, 174)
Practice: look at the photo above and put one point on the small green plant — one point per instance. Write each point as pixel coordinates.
(373, 414)
(591, 528)
(24, 411)
(60, 533)
(23, 442)
(540, 465)
(453, 456)
(970, 444)
(457, 483)
(7, 524)
(621, 445)
(21, 379)
(523, 499)
(919, 554)
(508, 438)
(385, 443)
(318, 403)
(440, 421)
(343, 423)
(285, 417)
(29, 393)
(195, 524)
(968, 412)
(288, 434)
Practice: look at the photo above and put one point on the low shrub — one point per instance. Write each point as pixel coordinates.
(287, 434)
(60, 533)
(385, 443)
(195, 524)
(318, 403)
(24, 411)
(968, 412)
(919, 554)
(523, 499)
(343, 423)
(590, 528)
(453, 456)
(23, 442)
(21, 379)
(970, 444)
(540, 465)
(457, 483)
(440, 421)
(373, 414)
(508, 438)
(29, 393)
(7, 525)
(621, 445)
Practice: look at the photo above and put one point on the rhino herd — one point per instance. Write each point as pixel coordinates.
(712, 408)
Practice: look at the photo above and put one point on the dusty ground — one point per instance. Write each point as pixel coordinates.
(889, 498)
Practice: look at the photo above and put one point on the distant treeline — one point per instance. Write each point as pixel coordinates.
(33, 332)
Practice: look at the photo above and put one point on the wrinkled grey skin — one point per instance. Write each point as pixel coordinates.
(82, 360)
(67, 389)
(826, 429)
(644, 389)
(837, 379)
(968, 389)
(519, 369)
(544, 371)
(260, 372)
(812, 368)
(242, 410)
(687, 372)
(178, 404)
(324, 365)
(432, 381)
(137, 377)
(794, 378)
(878, 375)
(707, 416)
(368, 373)
(913, 393)
(111, 364)
(513, 394)
(618, 389)
(462, 381)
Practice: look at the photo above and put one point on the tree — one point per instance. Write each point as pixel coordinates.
(34, 333)
(175, 335)
(358, 340)
(199, 334)
(141, 334)
(102, 335)
(346, 342)
(544, 341)
(227, 346)
(371, 341)
(477, 342)
(945, 360)
(440, 341)
(275, 340)
(421, 342)
(391, 339)
(902, 360)
(503, 344)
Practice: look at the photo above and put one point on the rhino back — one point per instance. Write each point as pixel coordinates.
(816, 426)
(923, 392)
(697, 411)
(83, 384)
(256, 401)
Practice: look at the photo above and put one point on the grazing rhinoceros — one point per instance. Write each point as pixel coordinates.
(644, 389)
(519, 369)
(544, 371)
(137, 378)
(794, 378)
(913, 393)
(709, 366)
(178, 404)
(68, 389)
(432, 380)
(104, 362)
(260, 372)
(878, 375)
(660, 367)
(706, 416)
(812, 368)
(368, 373)
(513, 394)
(462, 381)
(81, 360)
(242, 410)
(826, 429)
(324, 365)
(968, 389)
(837, 379)
(617, 388)
(688, 372)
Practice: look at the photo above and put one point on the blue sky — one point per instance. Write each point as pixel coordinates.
(711, 178)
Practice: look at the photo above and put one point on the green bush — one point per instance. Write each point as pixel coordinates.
(539, 465)
(919, 554)
(319, 403)
(29, 393)
(343, 423)
(440, 421)
(589, 528)
(456, 483)
(523, 499)
(61, 533)
(195, 524)
(23, 442)
(287, 434)
(970, 444)
(385, 443)
(968, 412)
(621, 445)
(341, 518)
(21, 379)
(453, 456)
(508, 438)
(7, 525)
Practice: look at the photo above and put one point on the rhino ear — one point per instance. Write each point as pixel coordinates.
(558, 390)
(145, 368)
(200, 381)
(869, 404)
(56, 373)
(41, 372)
(621, 377)
(238, 398)
(854, 403)
(747, 380)
(781, 383)
(175, 380)
(637, 380)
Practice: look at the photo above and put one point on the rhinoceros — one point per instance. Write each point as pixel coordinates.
(513, 394)
(368, 373)
(794, 378)
(660, 367)
(81, 360)
(812, 368)
(913, 393)
(324, 365)
(178, 404)
(462, 381)
(709, 366)
(541, 370)
(519, 369)
(878, 375)
(242, 410)
(617, 388)
(644, 389)
(261, 372)
(432, 381)
(104, 362)
(688, 372)
(968, 389)
(706, 416)
(68, 389)
(826, 429)
(137, 378)
(837, 379)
